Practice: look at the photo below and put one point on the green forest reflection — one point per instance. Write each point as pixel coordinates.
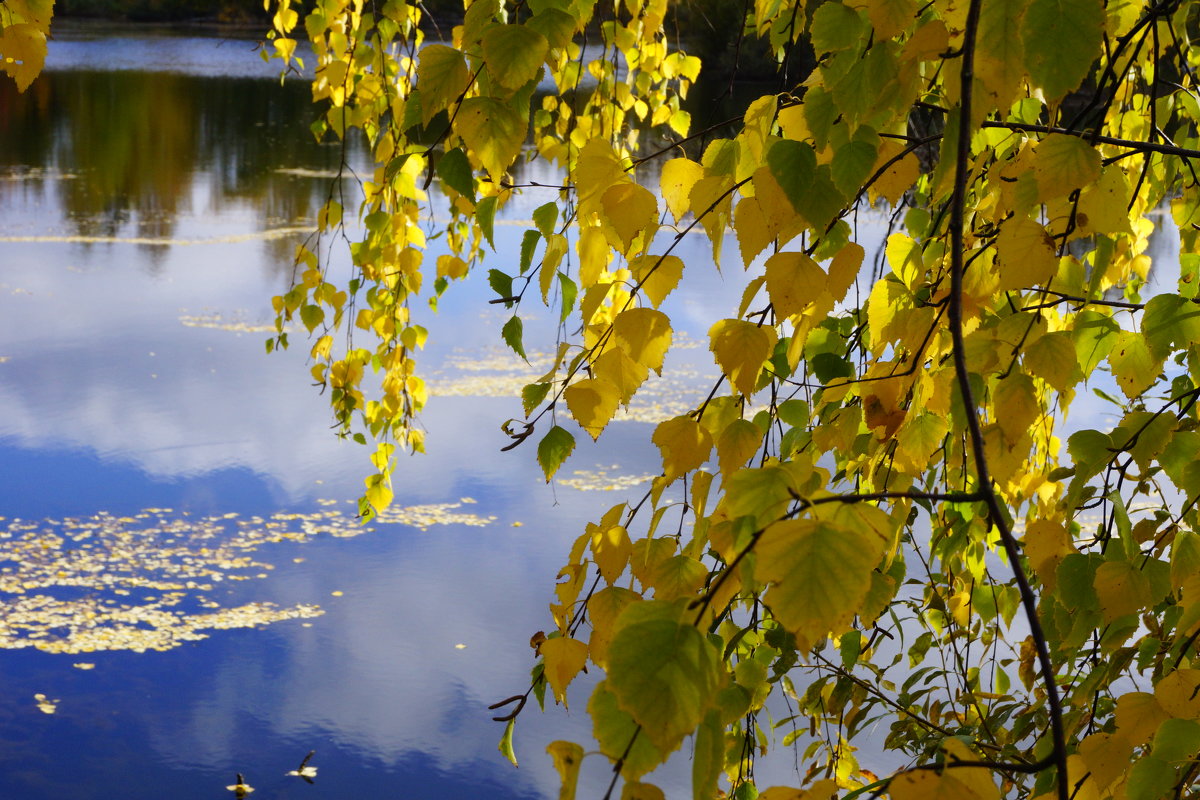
(128, 153)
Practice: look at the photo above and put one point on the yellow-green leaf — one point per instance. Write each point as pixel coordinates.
(442, 76)
(663, 671)
(22, 53)
(737, 443)
(740, 348)
(513, 54)
(618, 735)
(819, 575)
(494, 132)
(1063, 164)
(1132, 364)
(568, 757)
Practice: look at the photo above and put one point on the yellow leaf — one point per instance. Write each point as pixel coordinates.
(1025, 255)
(1063, 163)
(905, 258)
(793, 282)
(843, 270)
(1179, 693)
(592, 402)
(888, 17)
(564, 659)
(568, 757)
(1016, 403)
(1138, 716)
(1047, 543)
(610, 550)
(684, 445)
(925, 784)
(820, 574)
(678, 177)
(645, 336)
(1104, 205)
(899, 176)
(751, 224)
(1107, 756)
(632, 212)
(22, 53)
(712, 199)
(977, 780)
(657, 275)
(636, 790)
(737, 444)
(740, 348)
(596, 170)
(593, 256)
(621, 371)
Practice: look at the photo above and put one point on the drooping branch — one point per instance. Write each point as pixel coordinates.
(974, 428)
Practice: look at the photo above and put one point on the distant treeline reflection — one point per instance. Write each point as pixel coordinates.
(126, 153)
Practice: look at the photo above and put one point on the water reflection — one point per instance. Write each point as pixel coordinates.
(130, 153)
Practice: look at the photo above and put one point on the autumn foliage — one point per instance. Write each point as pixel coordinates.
(887, 521)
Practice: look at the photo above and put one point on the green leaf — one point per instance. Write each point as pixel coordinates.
(663, 671)
(512, 333)
(554, 448)
(311, 316)
(615, 729)
(485, 215)
(1061, 38)
(852, 163)
(1169, 321)
(836, 27)
(545, 217)
(529, 242)
(569, 292)
(809, 188)
(513, 54)
(532, 395)
(500, 282)
(455, 170)
(506, 742)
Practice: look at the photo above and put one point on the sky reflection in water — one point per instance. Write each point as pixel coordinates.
(146, 227)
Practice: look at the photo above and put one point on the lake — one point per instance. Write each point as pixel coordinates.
(186, 593)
